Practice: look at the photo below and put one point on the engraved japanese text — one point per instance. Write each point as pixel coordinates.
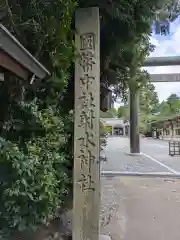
(86, 141)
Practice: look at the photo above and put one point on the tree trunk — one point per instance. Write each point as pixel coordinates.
(134, 121)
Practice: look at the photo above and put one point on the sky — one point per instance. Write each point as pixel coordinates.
(166, 46)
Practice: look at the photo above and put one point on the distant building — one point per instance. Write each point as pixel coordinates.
(166, 129)
(116, 126)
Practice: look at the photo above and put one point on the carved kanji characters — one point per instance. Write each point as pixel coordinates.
(87, 41)
(87, 61)
(87, 112)
(86, 158)
(87, 140)
(86, 81)
(86, 182)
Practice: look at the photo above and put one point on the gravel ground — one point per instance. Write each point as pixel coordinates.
(138, 209)
(122, 162)
(112, 218)
(118, 159)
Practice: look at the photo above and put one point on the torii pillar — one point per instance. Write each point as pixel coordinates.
(134, 96)
(134, 121)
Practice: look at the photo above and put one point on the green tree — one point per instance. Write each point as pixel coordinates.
(148, 98)
(173, 101)
(166, 109)
(113, 112)
(148, 103)
(37, 134)
(123, 112)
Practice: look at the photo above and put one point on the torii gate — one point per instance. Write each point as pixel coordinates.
(134, 99)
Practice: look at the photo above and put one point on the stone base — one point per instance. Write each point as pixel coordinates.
(133, 154)
(104, 237)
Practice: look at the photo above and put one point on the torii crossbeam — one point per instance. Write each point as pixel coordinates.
(167, 77)
(163, 61)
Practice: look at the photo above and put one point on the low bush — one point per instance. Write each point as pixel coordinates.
(34, 176)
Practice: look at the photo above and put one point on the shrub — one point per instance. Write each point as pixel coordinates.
(34, 177)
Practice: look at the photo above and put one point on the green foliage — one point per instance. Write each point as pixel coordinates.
(123, 112)
(34, 179)
(113, 112)
(37, 134)
(36, 150)
(143, 122)
(44, 27)
(163, 111)
(166, 109)
(148, 98)
(174, 103)
(125, 32)
(148, 103)
(105, 114)
(142, 128)
(108, 129)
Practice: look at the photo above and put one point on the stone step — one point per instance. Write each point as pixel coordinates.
(104, 237)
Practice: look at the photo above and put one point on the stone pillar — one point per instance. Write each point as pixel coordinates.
(86, 198)
(134, 122)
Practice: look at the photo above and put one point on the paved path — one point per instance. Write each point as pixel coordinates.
(138, 208)
(159, 149)
(155, 157)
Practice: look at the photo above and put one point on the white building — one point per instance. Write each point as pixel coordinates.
(117, 126)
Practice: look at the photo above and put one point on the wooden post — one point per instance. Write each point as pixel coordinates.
(86, 127)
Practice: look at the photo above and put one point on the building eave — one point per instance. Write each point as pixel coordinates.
(165, 120)
(14, 48)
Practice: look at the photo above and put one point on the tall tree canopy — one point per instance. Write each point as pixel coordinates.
(125, 30)
(37, 131)
(123, 112)
(148, 98)
(148, 103)
(168, 108)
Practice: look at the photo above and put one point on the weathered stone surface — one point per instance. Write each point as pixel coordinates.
(86, 195)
